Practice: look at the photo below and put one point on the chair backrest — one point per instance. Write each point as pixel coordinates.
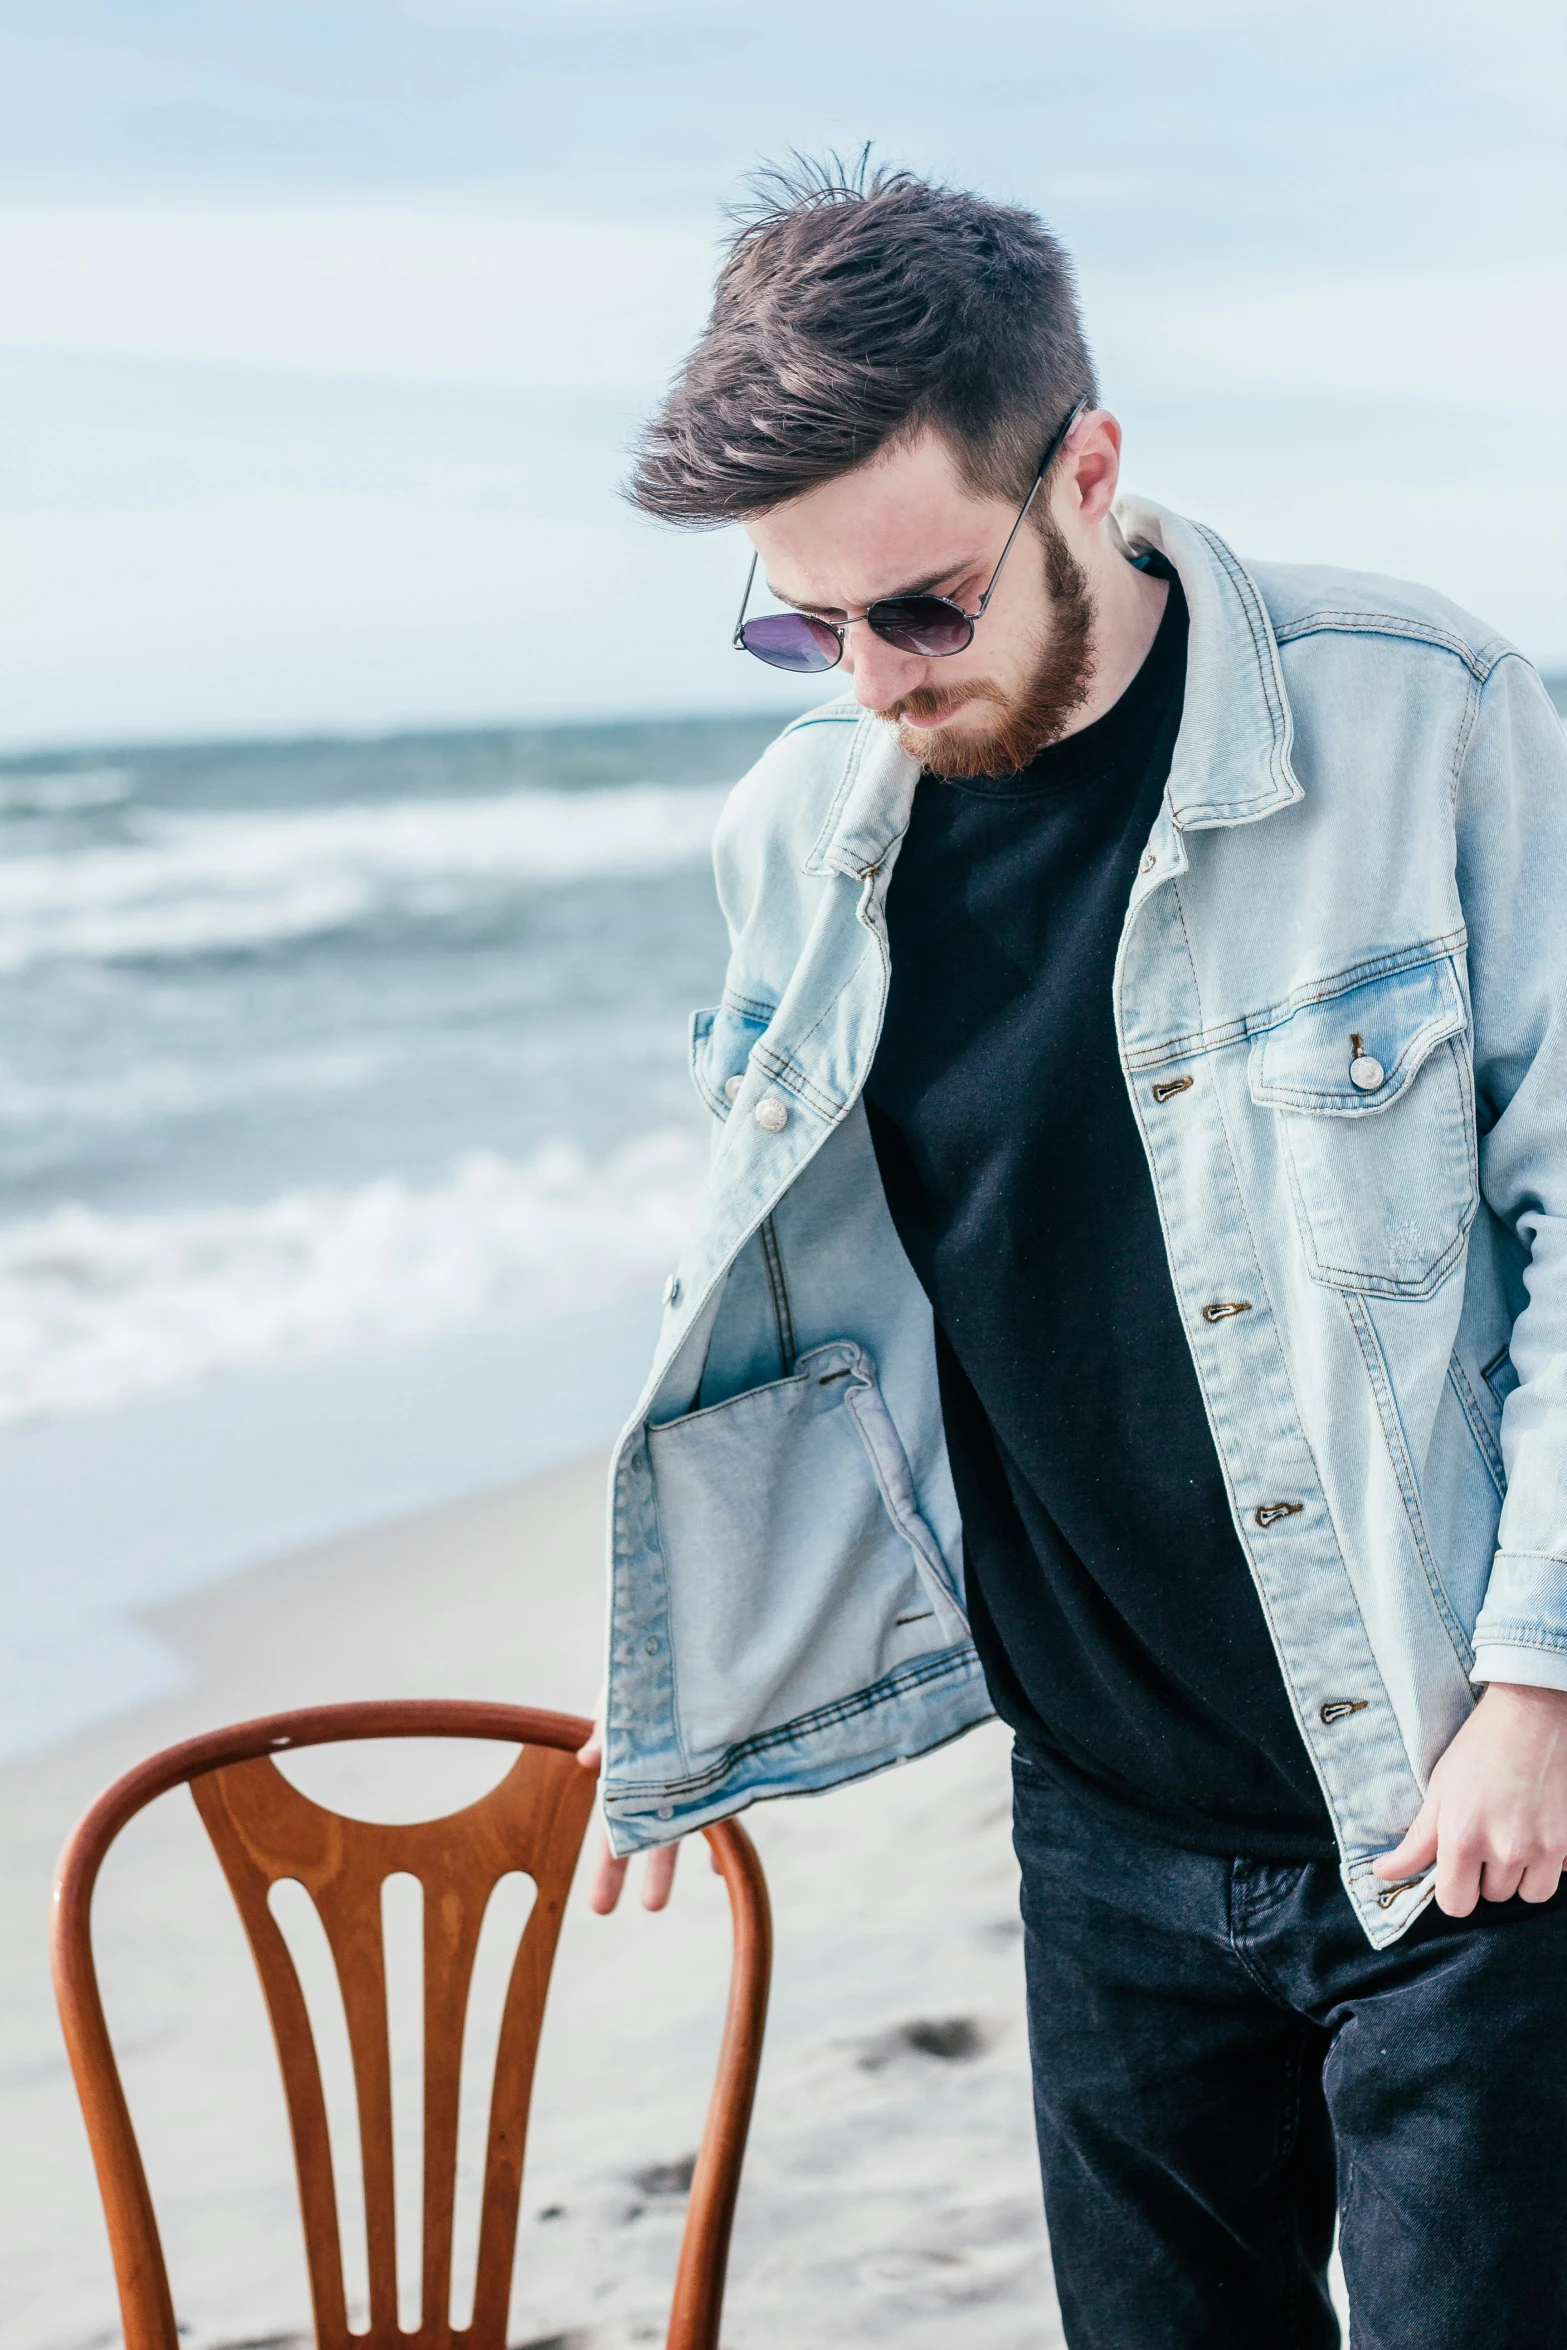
(265, 1831)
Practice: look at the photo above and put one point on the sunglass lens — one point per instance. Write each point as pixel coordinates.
(921, 624)
(789, 640)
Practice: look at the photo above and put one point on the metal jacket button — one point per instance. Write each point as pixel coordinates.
(771, 1114)
(1366, 1072)
(732, 1087)
(672, 1290)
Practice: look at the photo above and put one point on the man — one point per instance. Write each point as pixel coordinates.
(1132, 1291)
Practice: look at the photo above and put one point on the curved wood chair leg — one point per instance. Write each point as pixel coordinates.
(146, 2305)
(715, 2184)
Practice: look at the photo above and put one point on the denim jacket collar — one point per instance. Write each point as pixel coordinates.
(1232, 756)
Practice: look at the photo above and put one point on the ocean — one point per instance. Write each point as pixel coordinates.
(345, 1140)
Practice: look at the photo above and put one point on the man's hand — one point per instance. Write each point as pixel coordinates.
(609, 1874)
(1495, 1815)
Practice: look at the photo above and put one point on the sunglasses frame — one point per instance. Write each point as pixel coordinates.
(838, 627)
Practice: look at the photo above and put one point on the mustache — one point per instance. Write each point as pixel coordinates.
(928, 701)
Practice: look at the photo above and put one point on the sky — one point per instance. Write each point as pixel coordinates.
(325, 325)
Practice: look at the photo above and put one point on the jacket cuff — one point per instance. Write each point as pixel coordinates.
(1521, 1634)
(1530, 1668)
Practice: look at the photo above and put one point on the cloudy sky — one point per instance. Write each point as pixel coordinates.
(324, 324)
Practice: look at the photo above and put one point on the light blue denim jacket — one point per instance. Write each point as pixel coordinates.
(1341, 997)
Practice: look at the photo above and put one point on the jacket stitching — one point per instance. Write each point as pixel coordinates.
(1186, 943)
(1339, 1546)
(1356, 1277)
(949, 1663)
(834, 999)
(697, 1057)
(1316, 991)
(1461, 742)
(1398, 1454)
(816, 860)
(676, 1719)
(1279, 1646)
(1256, 621)
(750, 1006)
(670, 1343)
(1300, 1432)
(1441, 1028)
(788, 1072)
(1329, 620)
(783, 1318)
(1263, 637)
(1470, 1404)
(630, 1801)
(827, 717)
(1270, 1094)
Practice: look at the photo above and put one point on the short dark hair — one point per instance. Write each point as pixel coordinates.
(855, 310)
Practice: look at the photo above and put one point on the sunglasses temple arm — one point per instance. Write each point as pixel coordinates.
(1057, 440)
(750, 577)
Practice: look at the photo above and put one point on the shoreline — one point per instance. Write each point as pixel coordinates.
(113, 1516)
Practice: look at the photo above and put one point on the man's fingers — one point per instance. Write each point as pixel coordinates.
(660, 1875)
(608, 1880)
(1500, 1879)
(1418, 1850)
(1458, 1867)
(1540, 1881)
(591, 1753)
(609, 1874)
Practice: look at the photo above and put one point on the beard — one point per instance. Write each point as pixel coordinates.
(1039, 712)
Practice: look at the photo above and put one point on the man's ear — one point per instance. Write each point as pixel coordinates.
(1092, 470)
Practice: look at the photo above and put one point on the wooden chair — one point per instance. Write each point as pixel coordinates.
(264, 1830)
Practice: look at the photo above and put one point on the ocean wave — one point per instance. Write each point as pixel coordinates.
(68, 791)
(97, 1309)
(208, 883)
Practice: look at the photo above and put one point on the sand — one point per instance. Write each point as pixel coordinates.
(890, 2190)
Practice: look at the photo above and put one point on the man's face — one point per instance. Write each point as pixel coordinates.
(907, 524)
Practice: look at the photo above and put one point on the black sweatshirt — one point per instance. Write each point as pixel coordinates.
(1113, 1608)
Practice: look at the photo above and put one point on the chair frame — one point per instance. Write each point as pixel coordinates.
(146, 2304)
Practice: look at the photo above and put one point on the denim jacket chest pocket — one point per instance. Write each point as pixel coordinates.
(1373, 1098)
(721, 1041)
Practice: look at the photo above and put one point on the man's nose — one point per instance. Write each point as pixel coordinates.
(881, 674)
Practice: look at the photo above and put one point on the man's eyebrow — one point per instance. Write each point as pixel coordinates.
(918, 587)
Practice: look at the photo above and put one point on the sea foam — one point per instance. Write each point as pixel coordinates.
(177, 885)
(96, 1309)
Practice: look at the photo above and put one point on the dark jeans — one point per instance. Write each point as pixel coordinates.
(1221, 2059)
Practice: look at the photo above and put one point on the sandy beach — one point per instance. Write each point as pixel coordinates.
(890, 2191)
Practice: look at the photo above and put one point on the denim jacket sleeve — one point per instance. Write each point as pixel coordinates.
(1511, 811)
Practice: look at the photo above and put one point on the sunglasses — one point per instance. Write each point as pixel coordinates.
(932, 626)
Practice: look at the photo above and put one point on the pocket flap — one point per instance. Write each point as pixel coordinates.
(721, 1041)
(1351, 1055)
